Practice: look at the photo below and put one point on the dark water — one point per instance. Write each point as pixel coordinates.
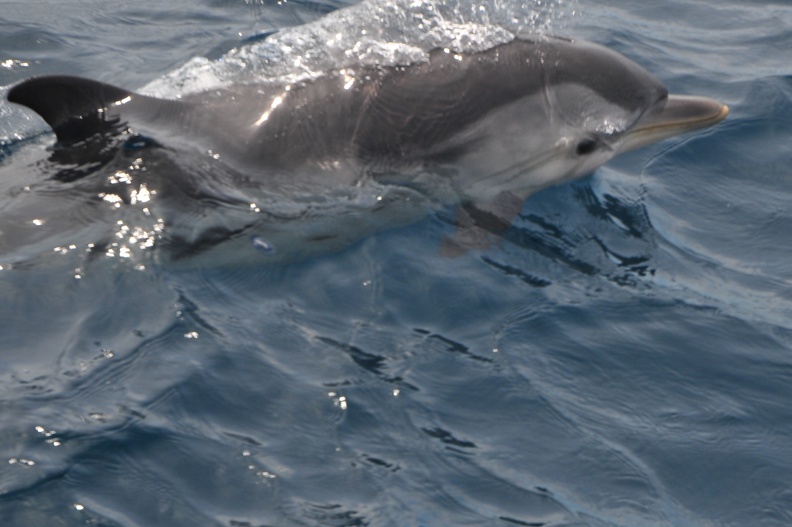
(623, 357)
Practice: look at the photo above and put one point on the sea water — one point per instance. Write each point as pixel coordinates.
(621, 357)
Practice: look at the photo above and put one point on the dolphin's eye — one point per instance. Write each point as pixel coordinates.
(585, 147)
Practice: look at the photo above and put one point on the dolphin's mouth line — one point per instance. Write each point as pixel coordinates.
(691, 123)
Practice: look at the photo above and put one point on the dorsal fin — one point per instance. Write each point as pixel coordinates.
(74, 107)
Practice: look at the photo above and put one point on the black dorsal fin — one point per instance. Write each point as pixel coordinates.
(74, 107)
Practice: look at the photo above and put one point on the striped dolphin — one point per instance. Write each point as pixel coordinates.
(507, 121)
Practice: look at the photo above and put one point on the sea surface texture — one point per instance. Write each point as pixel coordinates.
(621, 356)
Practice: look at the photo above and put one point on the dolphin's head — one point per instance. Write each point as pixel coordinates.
(604, 104)
(571, 106)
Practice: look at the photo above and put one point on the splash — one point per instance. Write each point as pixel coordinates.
(392, 32)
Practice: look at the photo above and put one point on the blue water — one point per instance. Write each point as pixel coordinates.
(622, 357)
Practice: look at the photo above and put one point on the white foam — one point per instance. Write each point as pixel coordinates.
(390, 32)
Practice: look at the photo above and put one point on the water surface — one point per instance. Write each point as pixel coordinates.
(622, 357)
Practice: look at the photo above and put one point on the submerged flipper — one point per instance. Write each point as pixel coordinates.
(481, 224)
(75, 108)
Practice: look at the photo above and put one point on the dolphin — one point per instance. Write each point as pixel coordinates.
(489, 127)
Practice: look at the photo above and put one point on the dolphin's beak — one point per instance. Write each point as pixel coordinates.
(680, 114)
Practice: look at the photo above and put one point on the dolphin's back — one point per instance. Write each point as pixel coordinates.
(388, 114)
(416, 108)
(380, 116)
